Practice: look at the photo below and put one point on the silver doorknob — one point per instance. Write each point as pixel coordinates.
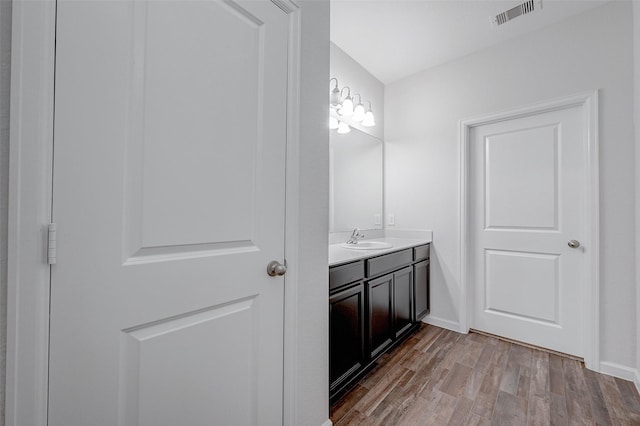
(574, 243)
(275, 268)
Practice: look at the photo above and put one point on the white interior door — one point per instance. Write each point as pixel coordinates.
(528, 201)
(170, 134)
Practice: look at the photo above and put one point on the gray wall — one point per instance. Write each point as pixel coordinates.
(590, 51)
(311, 388)
(5, 68)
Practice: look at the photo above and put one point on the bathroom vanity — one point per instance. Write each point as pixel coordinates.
(379, 287)
(376, 299)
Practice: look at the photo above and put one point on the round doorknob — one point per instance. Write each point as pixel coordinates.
(574, 243)
(275, 268)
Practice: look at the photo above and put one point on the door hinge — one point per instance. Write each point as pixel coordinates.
(52, 251)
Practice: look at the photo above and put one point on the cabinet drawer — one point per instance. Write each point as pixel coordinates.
(345, 274)
(421, 253)
(388, 262)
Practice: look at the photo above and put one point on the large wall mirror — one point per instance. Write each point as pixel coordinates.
(356, 181)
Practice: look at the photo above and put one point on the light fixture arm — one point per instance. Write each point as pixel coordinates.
(359, 97)
(335, 98)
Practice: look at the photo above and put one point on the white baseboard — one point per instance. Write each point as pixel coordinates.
(620, 371)
(327, 423)
(443, 323)
(636, 381)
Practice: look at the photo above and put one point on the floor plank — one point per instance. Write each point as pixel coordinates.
(439, 377)
(618, 410)
(509, 410)
(538, 411)
(598, 404)
(486, 398)
(456, 380)
(629, 395)
(578, 404)
(540, 375)
(558, 413)
(461, 411)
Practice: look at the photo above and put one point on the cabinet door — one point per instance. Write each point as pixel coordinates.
(421, 288)
(346, 339)
(402, 300)
(380, 314)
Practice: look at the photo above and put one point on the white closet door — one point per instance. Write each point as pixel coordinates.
(528, 183)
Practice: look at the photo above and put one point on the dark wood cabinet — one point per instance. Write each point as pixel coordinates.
(374, 304)
(380, 296)
(347, 332)
(390, 309)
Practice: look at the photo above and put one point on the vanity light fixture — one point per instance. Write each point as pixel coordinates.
(358, 111)
(343, 128)
(347, 103)
(344, 107)
(369, 119)
(334, 99)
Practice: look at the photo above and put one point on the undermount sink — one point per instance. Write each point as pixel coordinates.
(367, 245)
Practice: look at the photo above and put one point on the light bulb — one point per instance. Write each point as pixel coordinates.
(333, 123)
(343, 128)
(368, 120)
(347, 107)
(358, 113)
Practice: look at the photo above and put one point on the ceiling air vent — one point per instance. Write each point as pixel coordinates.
(514, 12)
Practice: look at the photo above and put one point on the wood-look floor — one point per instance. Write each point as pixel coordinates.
(439, 377)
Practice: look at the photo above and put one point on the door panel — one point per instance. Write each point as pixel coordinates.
(533, 295)
(160, 385)
(402, 300)
(182, 99)
(347, 316)
(528, 183)
(380, 314)
(528, 199)
(170, 133)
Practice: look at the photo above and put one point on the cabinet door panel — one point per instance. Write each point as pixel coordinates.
(421, 272)
(346, 312)
(380, 314)
(402, 300)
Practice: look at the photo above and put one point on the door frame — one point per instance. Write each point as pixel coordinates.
(30, 200)
(588, 102)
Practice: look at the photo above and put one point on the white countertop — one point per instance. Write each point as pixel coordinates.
(339, 255)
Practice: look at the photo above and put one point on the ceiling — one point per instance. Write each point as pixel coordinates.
(393, 39)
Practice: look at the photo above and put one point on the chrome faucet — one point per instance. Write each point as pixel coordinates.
(355, 236)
